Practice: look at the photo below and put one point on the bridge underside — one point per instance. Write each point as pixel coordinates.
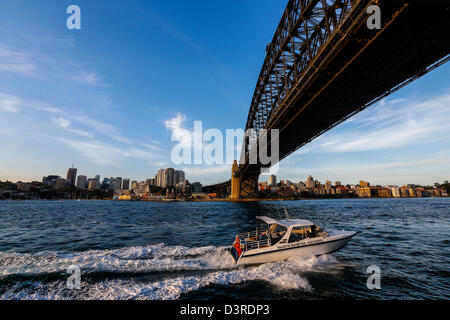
(416, 39)
(357, 67)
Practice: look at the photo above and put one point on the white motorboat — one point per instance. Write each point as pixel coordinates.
(278, 240)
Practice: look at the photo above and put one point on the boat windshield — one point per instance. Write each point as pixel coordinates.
(277, 232)
(300, 233)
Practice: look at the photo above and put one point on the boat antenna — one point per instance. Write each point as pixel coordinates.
(278, 213)
(285, 210)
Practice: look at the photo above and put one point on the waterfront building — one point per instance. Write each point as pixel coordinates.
(184, 188)
(273, 181)
(94, 184)
(50, 180)
(364, 192)
(197, 187)
(22, 186)
(180, 176)
(117, 183)
(169, 175)
(72, 176)
(61, 183)
(404, 191)
(160, 177)
(81, 182)
(310, 183)
(126, 184)
(364, 184)
(396, 192)
(384, 193)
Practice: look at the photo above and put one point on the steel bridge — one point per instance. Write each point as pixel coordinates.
(325, 64)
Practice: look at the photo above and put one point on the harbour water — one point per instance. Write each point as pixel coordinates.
(149, 250)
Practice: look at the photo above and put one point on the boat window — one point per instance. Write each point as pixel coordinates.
(277, 232)
(300, 233)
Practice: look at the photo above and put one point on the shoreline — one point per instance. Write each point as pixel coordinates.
(213, 200)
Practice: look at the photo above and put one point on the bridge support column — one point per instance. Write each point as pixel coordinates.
(242, 187)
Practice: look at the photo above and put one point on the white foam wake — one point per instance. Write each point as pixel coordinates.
(285, 275)
(154, 258)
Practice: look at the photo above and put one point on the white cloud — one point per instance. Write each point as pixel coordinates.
(17, 62)
(10, 103)
(425, 170)
(179, 133)
(389, 125)
(96, 152)
(139, 154)
(66, 125)
(105, 154)
(91, 79)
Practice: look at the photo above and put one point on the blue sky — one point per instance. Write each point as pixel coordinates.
(109, 97)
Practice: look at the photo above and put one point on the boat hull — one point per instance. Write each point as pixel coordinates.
(285, 252)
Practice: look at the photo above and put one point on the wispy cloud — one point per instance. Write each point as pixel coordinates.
(389, 125)
(91, 79)
(138, 154)
(10, 103)
(95, 151)
(16, 62)
(394, 172)
(106, 154)
(66, 125)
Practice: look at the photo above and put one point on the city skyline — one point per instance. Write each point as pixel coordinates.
(160, 179)
(63, 99)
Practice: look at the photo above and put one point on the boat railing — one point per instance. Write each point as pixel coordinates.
(251, 240)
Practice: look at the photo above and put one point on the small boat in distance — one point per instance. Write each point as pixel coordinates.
(278, 240)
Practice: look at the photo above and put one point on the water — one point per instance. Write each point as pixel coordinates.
(146, 250)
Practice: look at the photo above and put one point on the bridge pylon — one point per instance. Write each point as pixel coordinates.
(243, 186)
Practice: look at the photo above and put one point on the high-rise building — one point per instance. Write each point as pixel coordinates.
(176, 176)
(72, 176)
(168, 177)
(81, 182)
(273, 181)
(181, 176)
(117, 183)
(160, 178)
(310, 183)
(126, 184)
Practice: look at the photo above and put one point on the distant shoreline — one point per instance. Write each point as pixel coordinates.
(213, 200)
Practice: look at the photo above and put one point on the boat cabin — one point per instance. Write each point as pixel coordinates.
(272, 232)
(288, 231)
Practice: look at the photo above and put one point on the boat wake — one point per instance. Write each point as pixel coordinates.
(155, 272)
